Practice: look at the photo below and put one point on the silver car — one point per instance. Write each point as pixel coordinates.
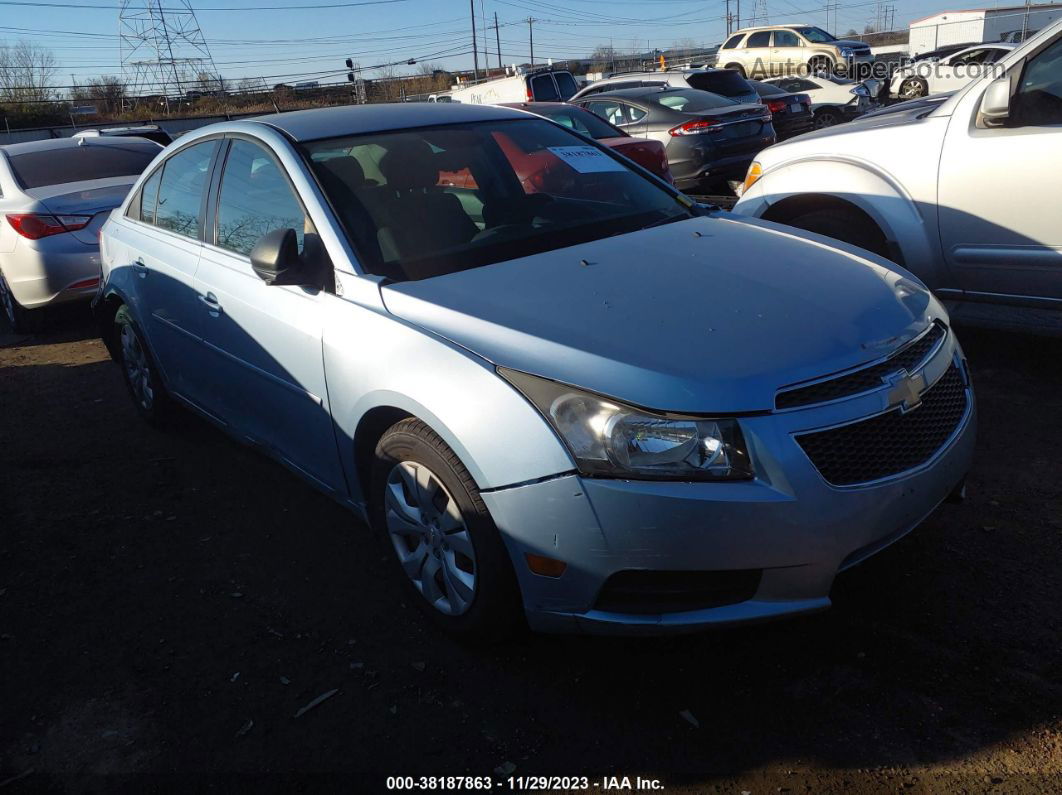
(561, 389)
(55, 196)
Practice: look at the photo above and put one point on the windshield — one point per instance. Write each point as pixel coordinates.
(816, 35)
(95, 160)
(581, 121)
(689, 100)
(437, 200)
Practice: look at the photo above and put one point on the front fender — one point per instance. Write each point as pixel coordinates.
(117, 290)
(909, 225)
(374, 360)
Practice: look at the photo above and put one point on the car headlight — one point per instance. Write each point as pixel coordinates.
(608, 439)
(751, 176)
(846, 52)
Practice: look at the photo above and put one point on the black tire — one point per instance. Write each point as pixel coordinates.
(820, 64)
(826, 118)
(495, 610)
(21, 320)
(845, 225)
(912, 88)
(140, 372)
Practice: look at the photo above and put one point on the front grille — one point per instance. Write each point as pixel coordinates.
(910, 358)
(656, 592)
(889, 443)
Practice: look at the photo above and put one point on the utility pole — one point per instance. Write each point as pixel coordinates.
(737, 23)
(497, 39)
(1025, 22)
(728, 31)
(475, 50)
(531, 39)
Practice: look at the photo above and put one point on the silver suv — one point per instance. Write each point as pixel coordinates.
(790, 49)
(724, 82)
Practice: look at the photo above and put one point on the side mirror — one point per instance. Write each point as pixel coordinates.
(995, 104)
(275, 257)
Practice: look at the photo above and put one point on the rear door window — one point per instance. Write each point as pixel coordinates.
(184, 178)
(78, 163)
(543, 89)
(611, 111)
(760, 39)
(143, 208)
(785, 38)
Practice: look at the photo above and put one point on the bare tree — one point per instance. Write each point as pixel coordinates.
(27, 73)
(106, 93)
(684, 48)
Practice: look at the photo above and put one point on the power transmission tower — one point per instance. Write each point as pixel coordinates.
(163, 50)
(759, 13)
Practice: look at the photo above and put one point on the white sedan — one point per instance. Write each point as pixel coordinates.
(922, 78)
(833, 99)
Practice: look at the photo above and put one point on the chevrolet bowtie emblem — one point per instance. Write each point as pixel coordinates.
(906, 390)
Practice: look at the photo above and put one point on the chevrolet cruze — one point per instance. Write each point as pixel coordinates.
(583, 401)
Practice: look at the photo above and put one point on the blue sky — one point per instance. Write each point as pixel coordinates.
(304, 42)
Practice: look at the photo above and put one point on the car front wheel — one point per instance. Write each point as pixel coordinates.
(826, 118)
(446, 544)
(139, 370)
(913, 88)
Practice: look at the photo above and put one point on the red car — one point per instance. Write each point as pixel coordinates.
(646, 153)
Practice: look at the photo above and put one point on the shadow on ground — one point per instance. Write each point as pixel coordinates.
(169, 601)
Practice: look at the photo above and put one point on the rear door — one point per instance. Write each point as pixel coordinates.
(267, 371)
(787, 53)
(160, 242)
(544, 89)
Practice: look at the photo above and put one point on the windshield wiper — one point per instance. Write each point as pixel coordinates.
(666, 220)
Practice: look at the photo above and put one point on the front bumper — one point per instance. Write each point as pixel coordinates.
(788, 523)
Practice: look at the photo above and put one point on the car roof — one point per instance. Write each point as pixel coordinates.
(309, 125)
(637, 92)
(533, 105)
(781, 25)
(92, 142)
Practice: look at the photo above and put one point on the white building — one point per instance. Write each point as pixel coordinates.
(980, 25)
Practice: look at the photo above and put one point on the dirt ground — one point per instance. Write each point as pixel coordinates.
(169, 601)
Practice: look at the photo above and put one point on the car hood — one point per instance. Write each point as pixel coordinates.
(910, 107)
(887, 117)
(859, 45)
(710, 314)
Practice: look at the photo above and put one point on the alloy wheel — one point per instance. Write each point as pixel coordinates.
(137, 368)
(912, 89)
(430, 537)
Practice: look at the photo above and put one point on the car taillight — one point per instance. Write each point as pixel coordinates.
(776, 105)
(34, 226)
(695, 127)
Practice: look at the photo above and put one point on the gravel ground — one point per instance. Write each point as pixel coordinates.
(169, 602)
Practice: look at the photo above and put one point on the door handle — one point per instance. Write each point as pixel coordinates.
(211, 302)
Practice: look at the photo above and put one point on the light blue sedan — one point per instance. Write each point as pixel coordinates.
(567, 394)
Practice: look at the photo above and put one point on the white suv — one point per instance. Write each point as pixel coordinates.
(963, 192)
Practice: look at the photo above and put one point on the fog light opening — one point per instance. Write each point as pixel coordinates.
(545, 567)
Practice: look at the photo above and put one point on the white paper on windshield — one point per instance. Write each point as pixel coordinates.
(586, 159)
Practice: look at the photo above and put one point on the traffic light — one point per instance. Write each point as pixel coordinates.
(350, 66)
